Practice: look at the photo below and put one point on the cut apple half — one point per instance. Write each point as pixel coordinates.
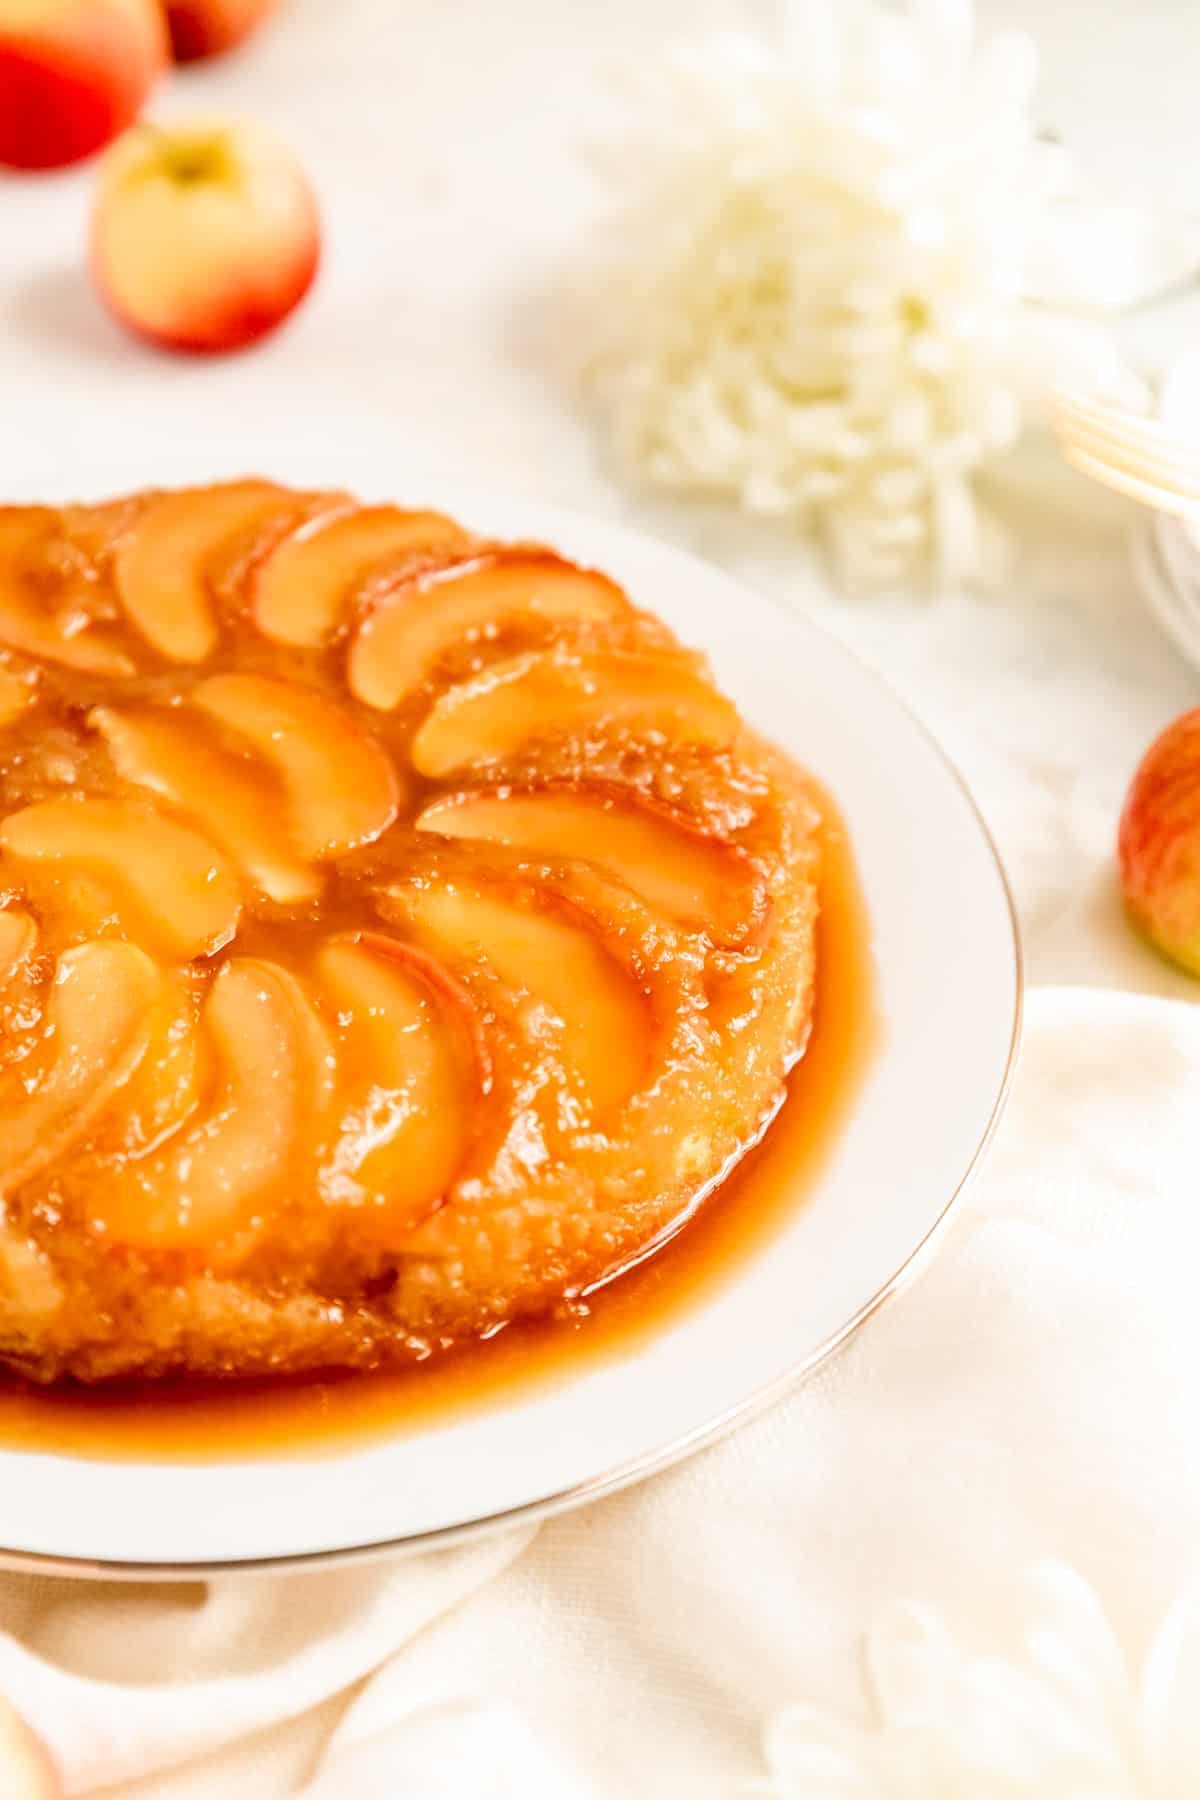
(274, 1066)
(28, 621)
(418, 620)
(97, 1028)
(546, 695)
(416, 1069)
(690, 876)
(566, 982)
(180, 892)
(302, 588)
(161, 568)
(235, 802)
(341, 785)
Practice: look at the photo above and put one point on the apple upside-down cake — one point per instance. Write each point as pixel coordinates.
(399, 931)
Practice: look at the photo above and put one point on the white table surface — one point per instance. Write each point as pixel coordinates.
(447, 141)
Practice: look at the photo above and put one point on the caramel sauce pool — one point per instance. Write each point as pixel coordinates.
(210, 1421)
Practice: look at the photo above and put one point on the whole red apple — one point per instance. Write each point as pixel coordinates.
(1159, 843)
(210, 27)
(26, 1772)
(204, 236)
(73, 73)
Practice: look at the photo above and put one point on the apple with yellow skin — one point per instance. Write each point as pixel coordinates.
(201, 28)
(26, 1772)
(74, 73)
(205, 236)
(1159, 843)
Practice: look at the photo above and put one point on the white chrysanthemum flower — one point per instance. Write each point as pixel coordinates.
(1067, 1721)
(821, 261)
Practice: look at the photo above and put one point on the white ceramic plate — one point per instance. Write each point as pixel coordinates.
(949, 991)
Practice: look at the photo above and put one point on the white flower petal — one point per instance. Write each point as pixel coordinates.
(1009, 1723)
(893, 60)
(1006, 71)
(1070, 1639)
(899, 490)
(819, 272)
(1001, 422)
(1064, 1726)
(813, 1756)
(955, 528)
(922, 1764)
(812, 33)
(948, 30)
(911, 1657)
(1170, 1702)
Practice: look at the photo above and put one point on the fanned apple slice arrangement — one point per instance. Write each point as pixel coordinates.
(685, 873)
(316, 918)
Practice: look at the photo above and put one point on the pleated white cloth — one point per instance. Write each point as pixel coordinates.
(1035, 1395)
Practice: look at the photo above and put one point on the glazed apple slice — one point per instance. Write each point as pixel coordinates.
(161, 568)
(416, 1070)
(274, 1066)
(341, 785)
(24, 531)
(18, 940)
(20, 981)
(677, 869)
(97, 1029)
(402, 639)
(27, 627)
(166, 1088)
(301, 589)
(28, 620)
(236, 804)
(546, 694)
(18, 691)
(552, 958)
(175, 887)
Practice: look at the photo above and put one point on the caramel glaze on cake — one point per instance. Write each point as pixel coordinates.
(399, 932)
